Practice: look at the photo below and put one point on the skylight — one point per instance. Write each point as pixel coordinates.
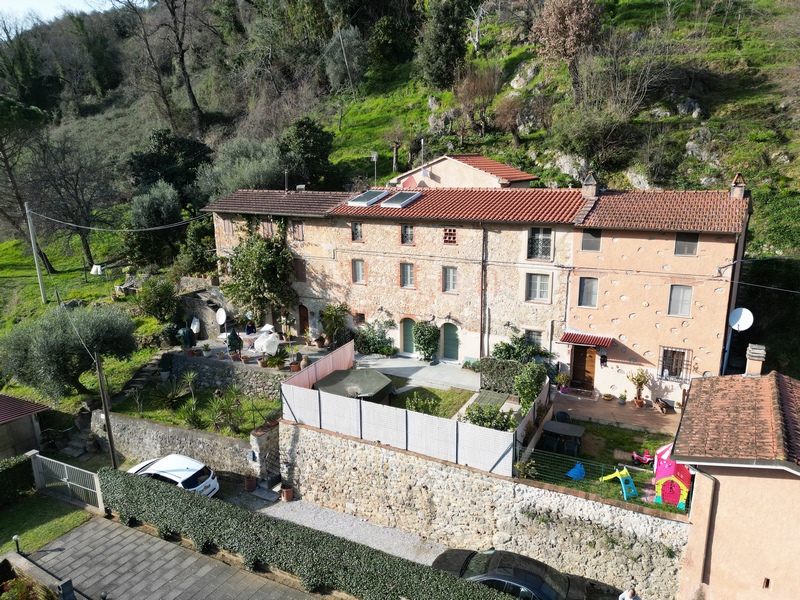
(367, 198)
(400, 200)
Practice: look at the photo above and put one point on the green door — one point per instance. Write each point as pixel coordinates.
(450, 341)
(408, 337)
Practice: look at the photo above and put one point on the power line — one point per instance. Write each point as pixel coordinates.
(159, 228)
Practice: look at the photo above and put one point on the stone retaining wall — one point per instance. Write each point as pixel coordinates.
(215, 373)
(465, 508)
(140, 439)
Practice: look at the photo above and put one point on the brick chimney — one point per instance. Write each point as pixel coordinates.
(738, 187)
(756, 353)
(590, 186)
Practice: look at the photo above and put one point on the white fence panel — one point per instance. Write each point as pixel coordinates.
(432, 436)
(384, 424)
(486, 449)
(341, 414)
(300, 405)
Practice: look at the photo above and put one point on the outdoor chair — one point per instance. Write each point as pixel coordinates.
(549, 444)
(570, 448)
(563, 417)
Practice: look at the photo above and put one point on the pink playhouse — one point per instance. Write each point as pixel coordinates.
(672, 481)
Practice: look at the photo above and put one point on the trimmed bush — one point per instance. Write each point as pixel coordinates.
(319, 559)
(16, 474)
(498, 375)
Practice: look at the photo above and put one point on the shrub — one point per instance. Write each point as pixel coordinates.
(319, 559)
(277, 360)
(373, 338)
(158, 298)
(518, 349)
(16, 474)
(424, 404)
(498, 375)
(169, 333)
(426, 338)
(528, 384)
(489, 415)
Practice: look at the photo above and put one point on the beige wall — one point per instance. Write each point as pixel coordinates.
(635, 271)
(451, 173)
(754, 519)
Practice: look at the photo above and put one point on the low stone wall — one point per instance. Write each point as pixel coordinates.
(215, 373)
(465, 508)
(140, 439)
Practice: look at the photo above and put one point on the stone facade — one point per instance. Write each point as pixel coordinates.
(139, 439)
(465, 508)
(221, 374)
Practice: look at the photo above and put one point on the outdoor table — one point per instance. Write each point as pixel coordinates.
(564, 429)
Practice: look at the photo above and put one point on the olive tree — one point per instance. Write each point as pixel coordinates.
(52, 352)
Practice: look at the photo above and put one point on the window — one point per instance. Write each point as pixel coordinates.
(406, 234)
(587, 292)
(539, 242)
(300, 269)
(356, 233)
(533, 338)
(449, 235)
(537, 287)
(591, 240)
(674, 364)
(227, 227)
(406, 275)
(360, 319)
(358, 271)
(686, 244)
(297, 231)
(265, 229)
(449, 279)
(680, 300)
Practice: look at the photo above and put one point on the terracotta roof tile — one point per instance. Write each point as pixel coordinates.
(12, 408)
(585, 339)
(701, 211)
(492, 167)
(738, 419)
(278, 202)
(521, 205)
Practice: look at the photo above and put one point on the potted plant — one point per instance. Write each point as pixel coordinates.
(245, 359)
(221, 355)
(562, 380)
(287, 491)
(250, 483)
(639, 378)
(623, 397)
(165, 365)
(92, 444)
(286, 322)
(236, 356)
(277, 360)
(783, 360)
(206, 350)
(262, 362)
(334, 320)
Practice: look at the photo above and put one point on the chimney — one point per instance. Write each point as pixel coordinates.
(738, 187)
(590, 186)
(756, 353)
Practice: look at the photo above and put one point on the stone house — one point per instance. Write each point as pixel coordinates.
(19, 426)
(653, 277)
(740, 433)
(463, 171)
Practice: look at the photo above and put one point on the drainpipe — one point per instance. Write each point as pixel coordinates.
(484, 255)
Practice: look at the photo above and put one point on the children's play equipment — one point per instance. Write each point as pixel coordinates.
(642, 459)
(672, 481)
(628, 487)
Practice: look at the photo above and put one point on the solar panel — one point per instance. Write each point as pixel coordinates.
(367, 198)
(401, 199)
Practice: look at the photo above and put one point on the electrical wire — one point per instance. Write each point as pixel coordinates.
(159, 228)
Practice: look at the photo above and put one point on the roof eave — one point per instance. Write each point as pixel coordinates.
(740, 463)
(268, 213)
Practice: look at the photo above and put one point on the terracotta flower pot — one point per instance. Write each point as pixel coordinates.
(294, 366)
(250, 483)
(287, 492)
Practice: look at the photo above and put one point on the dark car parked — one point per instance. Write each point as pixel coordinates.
(512, 573)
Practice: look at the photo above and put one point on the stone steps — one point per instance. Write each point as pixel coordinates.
(266, 494)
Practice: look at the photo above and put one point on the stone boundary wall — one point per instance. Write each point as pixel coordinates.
(215, 373)
(466, 508)
(140, 439)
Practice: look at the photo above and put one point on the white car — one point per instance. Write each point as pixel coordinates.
(185, 472)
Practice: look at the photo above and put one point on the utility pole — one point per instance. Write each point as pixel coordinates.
(35, 247)
(104, 396)
(374, 156)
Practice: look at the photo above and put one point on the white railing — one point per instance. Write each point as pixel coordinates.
(68, 482)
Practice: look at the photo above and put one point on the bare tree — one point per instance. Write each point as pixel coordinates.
(508, 115)
(394, 137)
(476, 90)
(478, 15)
(565, 29)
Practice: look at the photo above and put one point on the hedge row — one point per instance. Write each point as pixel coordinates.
(16, 474)
(498, 375)
(319, 559)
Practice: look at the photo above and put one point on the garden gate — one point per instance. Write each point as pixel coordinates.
(67, 482)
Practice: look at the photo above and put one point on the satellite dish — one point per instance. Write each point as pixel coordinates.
(740, 319)
(222, 316)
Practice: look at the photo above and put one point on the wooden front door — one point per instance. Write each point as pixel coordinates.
(583, 359)
(302, 324)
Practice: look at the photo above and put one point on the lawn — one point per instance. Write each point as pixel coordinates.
(37, 520)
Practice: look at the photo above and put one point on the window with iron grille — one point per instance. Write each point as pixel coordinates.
(591, 240)
(449, 279)
(360, 319)
(406, 234)
(356, 233)
(587, 292)
(680, 300)
(686, 243)
(533, 338)
(449, 235)
(537, 287)
(407, 275)
(675, 364)
(297, 231)
(300, 269)
(358, 271)
(540, 242)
